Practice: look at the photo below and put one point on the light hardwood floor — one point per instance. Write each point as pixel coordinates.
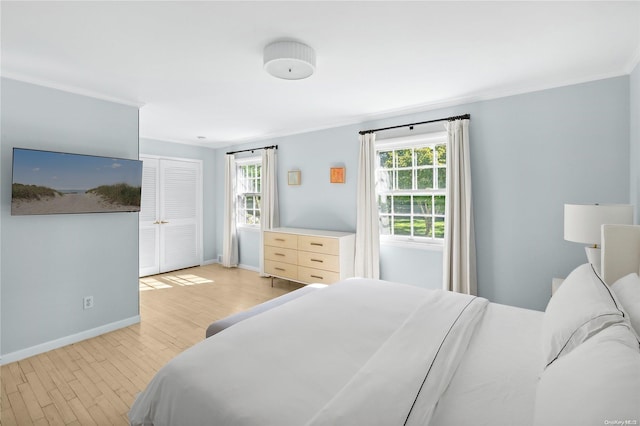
(95, 381)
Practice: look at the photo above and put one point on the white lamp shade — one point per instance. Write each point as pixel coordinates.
(583, 222)
(289, 60)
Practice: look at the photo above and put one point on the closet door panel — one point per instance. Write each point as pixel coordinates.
(179, 248)
(149, 229)
(149, 252)
(179, 214)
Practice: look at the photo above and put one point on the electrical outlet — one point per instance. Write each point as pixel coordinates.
(88, 302)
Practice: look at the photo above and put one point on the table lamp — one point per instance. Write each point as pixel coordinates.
(583, 222)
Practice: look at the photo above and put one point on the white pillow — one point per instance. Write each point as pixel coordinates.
(627, 289)
(598, 383)
(581, 307)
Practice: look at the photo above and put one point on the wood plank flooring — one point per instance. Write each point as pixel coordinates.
(94, 382)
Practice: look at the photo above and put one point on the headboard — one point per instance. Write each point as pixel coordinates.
(620, 251)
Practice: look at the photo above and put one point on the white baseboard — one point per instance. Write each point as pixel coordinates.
(67, 340)
(249, 268)
(209, 262)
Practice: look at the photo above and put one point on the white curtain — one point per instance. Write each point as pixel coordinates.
(230, 236)
(269, 215)
(367, 256)
(459, 257)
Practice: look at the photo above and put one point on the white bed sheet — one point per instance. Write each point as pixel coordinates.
(495, 383)
(354, 353)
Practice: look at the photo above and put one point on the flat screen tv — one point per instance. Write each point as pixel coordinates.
(46, 182)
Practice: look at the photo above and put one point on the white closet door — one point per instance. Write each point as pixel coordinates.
(149, 228)
(170, 215)
(179, 214)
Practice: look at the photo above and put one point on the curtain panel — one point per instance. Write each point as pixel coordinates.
(230, 233)
(367, 255)
(269, 212)
(459, 256)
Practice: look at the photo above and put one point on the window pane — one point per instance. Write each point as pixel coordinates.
(442, 154)
(385, 159)
(422, 204)
(424, 156)
(401, 225)
(249, 203)
(422, 226)
(403, 157)
(439, 201)
(442, 177)
(405, 180)
(385, 225)
(425, 179)
(402, 204)
(384, 204)
(257, 202)
(439, 227)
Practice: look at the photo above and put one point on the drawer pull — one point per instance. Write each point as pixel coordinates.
(317, 276)
(280, 269)
(280, 239)
(317, 260)
(279, 254)
(317, 244)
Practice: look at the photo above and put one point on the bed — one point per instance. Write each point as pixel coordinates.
(365, 352)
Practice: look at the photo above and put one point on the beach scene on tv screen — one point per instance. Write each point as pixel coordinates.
(51, 182)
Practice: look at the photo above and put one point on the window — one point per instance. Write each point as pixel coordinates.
(411, 183)
(249, 181)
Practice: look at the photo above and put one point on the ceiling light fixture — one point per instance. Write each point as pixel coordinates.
(289, 60)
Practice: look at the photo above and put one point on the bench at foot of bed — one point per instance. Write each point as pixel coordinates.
(220, 325)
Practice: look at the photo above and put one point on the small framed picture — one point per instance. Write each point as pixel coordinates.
(337, 174)
(294, 177)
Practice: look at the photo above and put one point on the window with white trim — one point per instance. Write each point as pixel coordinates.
(248, 189)
(411, 175)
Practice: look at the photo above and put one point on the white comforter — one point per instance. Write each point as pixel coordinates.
(358, 352)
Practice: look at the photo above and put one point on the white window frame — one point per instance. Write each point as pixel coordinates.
(408, 142)
(240, 194)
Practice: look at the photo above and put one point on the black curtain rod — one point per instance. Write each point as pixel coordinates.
(457, 117)
(253, 149)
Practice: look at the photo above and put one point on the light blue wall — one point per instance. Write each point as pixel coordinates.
(49, 263)
(634, 157)
(531, 153)
(208, 157)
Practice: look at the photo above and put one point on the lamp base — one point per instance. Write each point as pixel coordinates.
(594, 257)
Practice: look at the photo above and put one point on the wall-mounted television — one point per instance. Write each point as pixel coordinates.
(47, 182)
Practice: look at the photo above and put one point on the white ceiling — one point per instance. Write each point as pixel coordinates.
(196, 67)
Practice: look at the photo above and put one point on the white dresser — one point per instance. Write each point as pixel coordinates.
(309, 255)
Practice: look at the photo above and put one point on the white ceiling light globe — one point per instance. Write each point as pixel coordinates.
(289, 60)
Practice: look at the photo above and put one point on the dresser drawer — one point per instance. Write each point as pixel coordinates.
(279, 239)
(326, 262)
(280, 254)
(311, 275)
(281, 269)
(319, 244)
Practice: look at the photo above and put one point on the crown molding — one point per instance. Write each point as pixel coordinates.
(71, 89)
